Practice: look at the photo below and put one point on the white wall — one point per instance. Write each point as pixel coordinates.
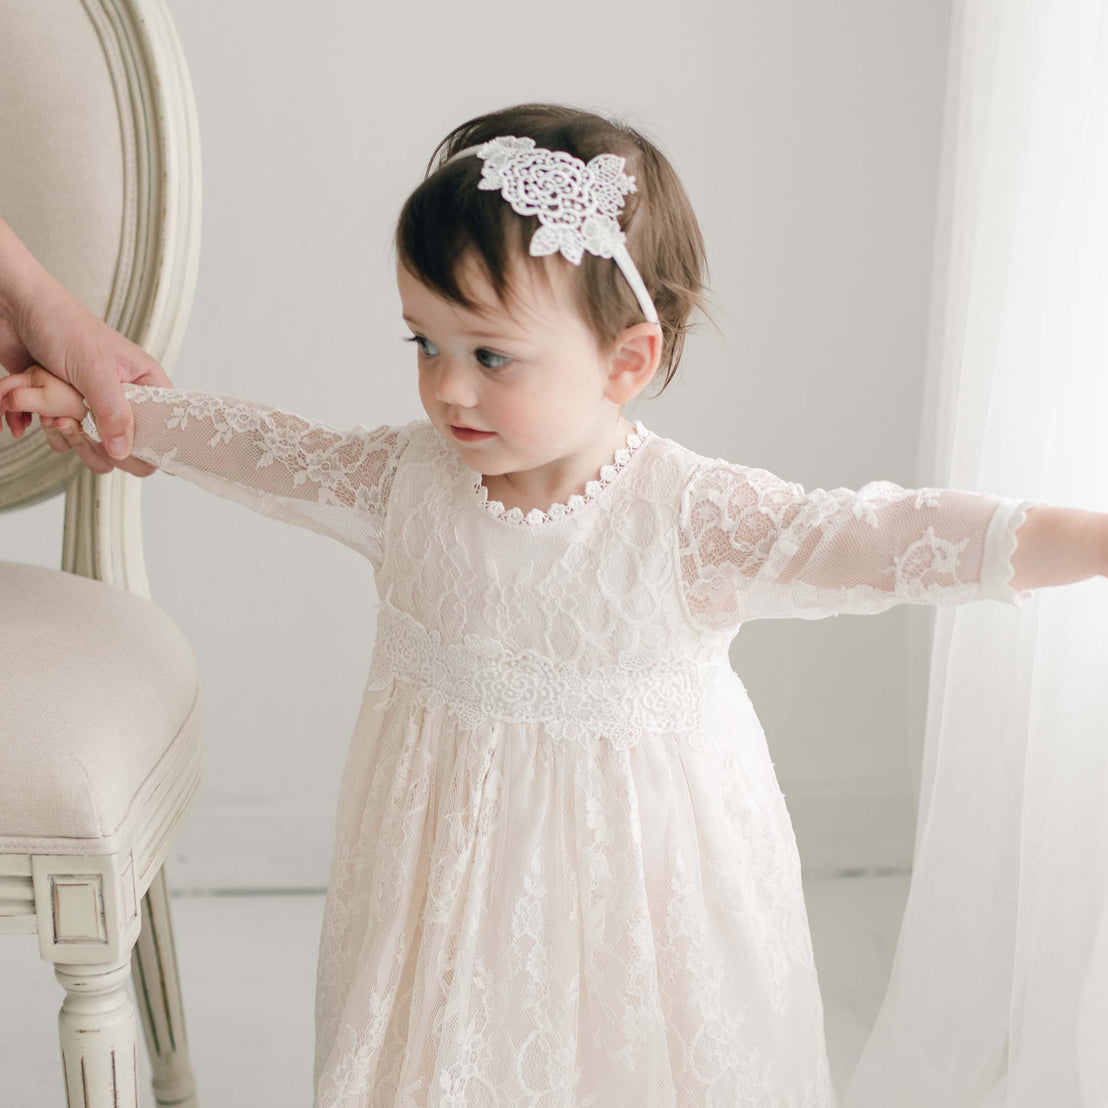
(807, 137)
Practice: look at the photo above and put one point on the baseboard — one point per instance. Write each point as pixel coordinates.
(850, 831)
(251, 849)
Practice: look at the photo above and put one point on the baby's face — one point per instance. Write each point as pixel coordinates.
(537, 381)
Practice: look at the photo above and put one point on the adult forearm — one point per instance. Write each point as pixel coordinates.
(21, 275)
(1058, 546)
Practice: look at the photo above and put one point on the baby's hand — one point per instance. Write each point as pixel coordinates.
(36, 390)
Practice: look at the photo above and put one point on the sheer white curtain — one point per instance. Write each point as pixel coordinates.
(999, 989)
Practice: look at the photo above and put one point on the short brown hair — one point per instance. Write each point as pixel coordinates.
(447, 216)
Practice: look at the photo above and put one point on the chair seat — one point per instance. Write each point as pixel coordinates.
(99, 710)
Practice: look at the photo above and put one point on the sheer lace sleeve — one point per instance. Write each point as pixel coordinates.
(754, 546)
(280, 464)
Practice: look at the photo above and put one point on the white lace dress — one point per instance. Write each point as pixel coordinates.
(564, 874)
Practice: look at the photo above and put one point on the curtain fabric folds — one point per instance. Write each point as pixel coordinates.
(998, 996)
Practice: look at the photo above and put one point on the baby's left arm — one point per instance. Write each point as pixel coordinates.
(754, 546)
(1058, 546)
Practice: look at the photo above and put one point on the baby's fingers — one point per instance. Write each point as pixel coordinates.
(17, 421)
(21, 398)
(30, 376)
(9, 382)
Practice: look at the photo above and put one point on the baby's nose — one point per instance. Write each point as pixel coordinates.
(455, 385)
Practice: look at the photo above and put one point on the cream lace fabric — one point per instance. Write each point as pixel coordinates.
(564, 873)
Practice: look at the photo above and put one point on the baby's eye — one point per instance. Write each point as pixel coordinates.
(502, 361)
(417, 339)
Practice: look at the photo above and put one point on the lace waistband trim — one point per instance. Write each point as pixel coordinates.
(481, 680)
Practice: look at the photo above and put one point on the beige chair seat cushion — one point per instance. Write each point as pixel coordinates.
(98, 693)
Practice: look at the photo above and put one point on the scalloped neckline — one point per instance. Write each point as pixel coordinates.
(536, 516)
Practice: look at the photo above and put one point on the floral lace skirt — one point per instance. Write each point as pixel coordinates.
(517, 920)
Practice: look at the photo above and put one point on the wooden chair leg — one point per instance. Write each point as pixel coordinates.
(97, 1030)
(158, 993)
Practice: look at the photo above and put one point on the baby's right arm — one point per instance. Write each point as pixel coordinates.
(280, 464)
(36, 390)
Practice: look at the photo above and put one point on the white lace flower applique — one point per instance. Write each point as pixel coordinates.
(577, 204)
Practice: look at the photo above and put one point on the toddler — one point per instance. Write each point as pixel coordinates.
(564, 873)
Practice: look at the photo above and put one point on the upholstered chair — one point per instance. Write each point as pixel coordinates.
(100, 752)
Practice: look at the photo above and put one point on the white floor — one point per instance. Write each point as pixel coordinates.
(250, 1027)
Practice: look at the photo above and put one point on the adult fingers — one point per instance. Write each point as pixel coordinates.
(56, 440)
(103, 393)
(136, 466)
(64, 436)
(102, 388)
(93, 455)
(87, 451)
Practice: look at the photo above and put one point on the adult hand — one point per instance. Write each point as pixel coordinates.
(42, 323)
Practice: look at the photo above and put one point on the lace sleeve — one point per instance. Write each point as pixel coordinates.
(754, 546)
(280, 464)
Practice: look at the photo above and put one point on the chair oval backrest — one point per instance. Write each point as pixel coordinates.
(101, 180)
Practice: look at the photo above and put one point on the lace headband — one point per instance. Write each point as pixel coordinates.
(577, 204)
